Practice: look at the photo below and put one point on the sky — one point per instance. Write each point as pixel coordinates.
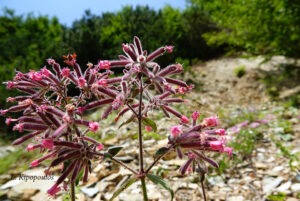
(68, 11)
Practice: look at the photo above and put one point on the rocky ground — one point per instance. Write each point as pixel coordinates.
(267, 171)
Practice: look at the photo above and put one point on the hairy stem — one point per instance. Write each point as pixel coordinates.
(72, 190)
(157, 159)
(124, 165)
(141, 156)
(144, 189)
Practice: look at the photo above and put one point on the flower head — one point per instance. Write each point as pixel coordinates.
(184, 119)
(104, 64)
(176, 130)
(211, 121)
(54, 190)
(94, 126)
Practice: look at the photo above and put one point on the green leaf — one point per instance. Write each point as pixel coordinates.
(112, 151)
(148, 122)
(160, 182)
(123, 187)
(161, 151)
(128, 121)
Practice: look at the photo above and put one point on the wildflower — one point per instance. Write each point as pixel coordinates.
(211, 121)
(104, 64)
(175, 131)
(47, 143)
(34, 163)
(220, 131)
(45, 72)
(216, 145)
(94, 126)
(10, 85)
(184, 119)
(65, 72)
(100, 147)
(169, 48)
(54, 190)
(148, 128)
(81, 82)
(36, 76)
(30, 147)
(195, 115)
(102, 82)
(228, 150)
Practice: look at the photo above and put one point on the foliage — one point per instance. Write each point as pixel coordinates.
(16, 160)
(257, 26)
(240, 71)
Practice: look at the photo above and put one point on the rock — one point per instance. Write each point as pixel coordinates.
(275, 171)
(235, 198)
(295, 188)
(284, 187)
(260, 165)
(292, 199)
(28, 193)
(10, 184)
(216, 181)
(5, 178)
(90, 192)
(6, 150)
(269, 184)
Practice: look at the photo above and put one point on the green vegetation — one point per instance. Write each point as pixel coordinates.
(17, 161)
(240, 71)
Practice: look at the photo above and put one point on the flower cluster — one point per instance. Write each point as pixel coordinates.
(195, 140)
(55, 119)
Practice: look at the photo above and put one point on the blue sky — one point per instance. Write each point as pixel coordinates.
(69, 10)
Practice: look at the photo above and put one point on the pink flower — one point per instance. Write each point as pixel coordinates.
(100, 147)
(102, 82)
(34, 163)
(10, 85)
(148, 128)
(81, 82)
(3, 112)
(220, 131)
(36, 76)
(10, 99)
(176, 130)
(184, 119)
(228, 150)
(254, 125)
(47, 143)
(181, 90)
(94, 126)
(211, 121)
(45, 72)
(30, 147)
(104, 64)
(169, 48)
(18, 127)
(53, 190)
(65, 72)
(51, 61)
(8, 121)
(195, 115)
(216, 145)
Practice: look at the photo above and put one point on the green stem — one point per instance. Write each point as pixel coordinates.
(144, 189)
(72, 190)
